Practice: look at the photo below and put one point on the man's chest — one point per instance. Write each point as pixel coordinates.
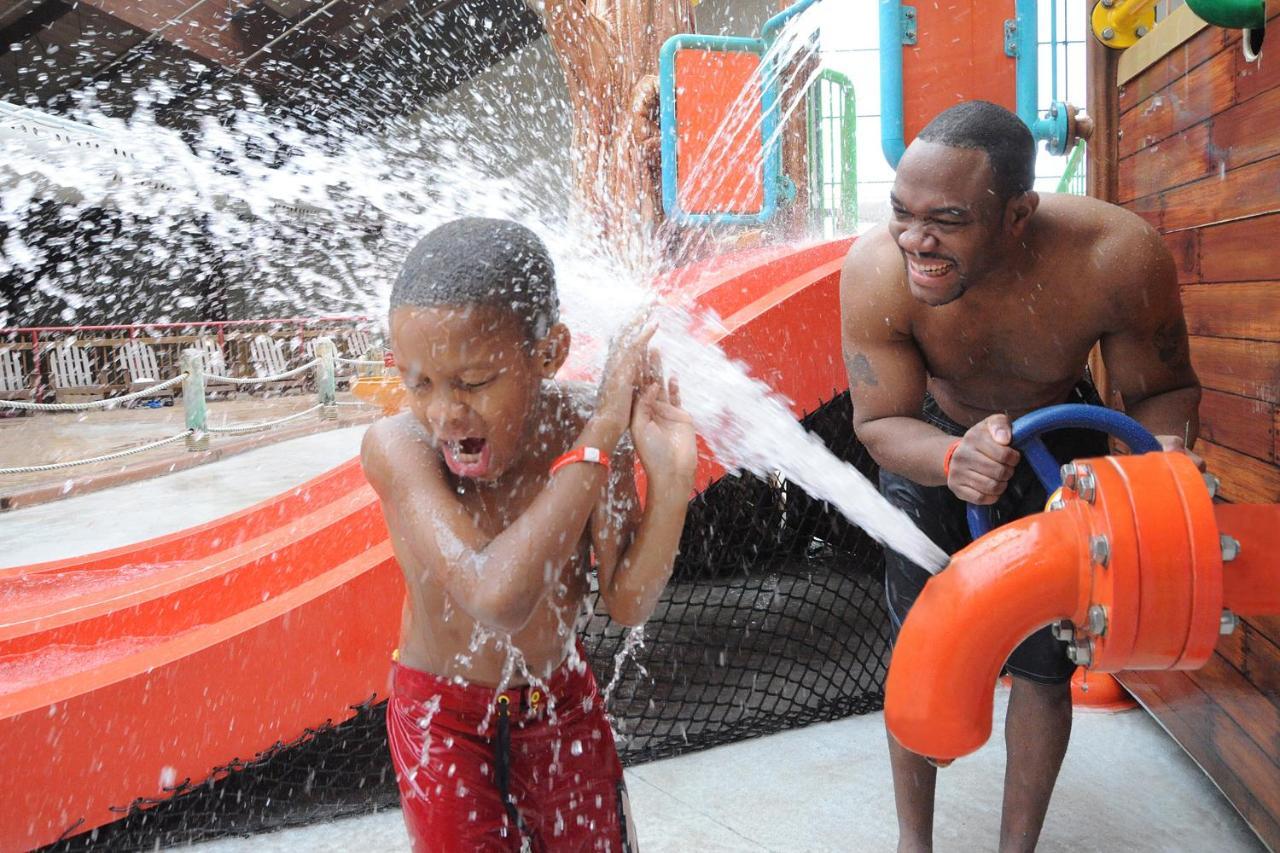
(1041, 342)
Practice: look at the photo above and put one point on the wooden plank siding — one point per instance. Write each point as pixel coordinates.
(1200, 161)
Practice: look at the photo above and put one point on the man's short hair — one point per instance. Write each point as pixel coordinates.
(490, 262)
(995, 131)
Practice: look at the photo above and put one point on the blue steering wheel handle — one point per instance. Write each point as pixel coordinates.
(1026, 438)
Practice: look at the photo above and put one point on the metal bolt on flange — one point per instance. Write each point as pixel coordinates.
(1081, 652)
(1108, 34)
(1212, 483)
(1230, 547)
(1068, 474)
(1063, 631)
(1099, 550)
(1085, 483)
(1229, 623)
(1140, 32)
(1107, 4)
(1056, 504)
(1097, 620)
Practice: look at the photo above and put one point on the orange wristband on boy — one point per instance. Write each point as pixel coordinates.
(593, 455)
(946, 460)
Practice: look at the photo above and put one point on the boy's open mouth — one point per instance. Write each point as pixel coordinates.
(467, 457)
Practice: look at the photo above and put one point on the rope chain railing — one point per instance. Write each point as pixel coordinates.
(258, 380)
(236, 429)
(109, 403)
(197, 432)
(108, 457)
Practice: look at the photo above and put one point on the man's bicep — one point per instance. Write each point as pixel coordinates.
(1150, 353)
(886, 378)
(885, 369)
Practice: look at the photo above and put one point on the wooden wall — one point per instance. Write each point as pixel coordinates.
(1200, 160)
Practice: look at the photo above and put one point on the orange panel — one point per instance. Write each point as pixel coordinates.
(959, 56)
(732, 178)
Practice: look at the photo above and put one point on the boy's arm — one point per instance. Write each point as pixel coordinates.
(636, 551)
(497, 580)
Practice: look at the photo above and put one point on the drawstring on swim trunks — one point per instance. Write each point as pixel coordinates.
(502, 769)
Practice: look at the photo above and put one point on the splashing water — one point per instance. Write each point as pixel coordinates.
(311, 222)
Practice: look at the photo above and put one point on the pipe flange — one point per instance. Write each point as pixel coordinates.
(1119, 26)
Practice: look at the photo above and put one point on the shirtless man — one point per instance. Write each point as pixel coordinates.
(979, 302)
(499, 485)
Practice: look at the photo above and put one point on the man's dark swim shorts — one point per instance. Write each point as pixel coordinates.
(941, 515)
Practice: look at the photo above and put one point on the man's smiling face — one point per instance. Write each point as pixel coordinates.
(946, 219)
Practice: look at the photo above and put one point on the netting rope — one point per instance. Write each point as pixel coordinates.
(120, 454)
(109, 403)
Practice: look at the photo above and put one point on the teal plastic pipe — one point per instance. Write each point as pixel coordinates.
(1231, 14)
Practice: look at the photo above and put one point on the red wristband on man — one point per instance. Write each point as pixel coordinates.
(946, 460)
(593, 455)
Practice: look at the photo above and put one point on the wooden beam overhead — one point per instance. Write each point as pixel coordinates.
(203, 28)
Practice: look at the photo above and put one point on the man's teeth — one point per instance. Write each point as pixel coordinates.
(933, 270)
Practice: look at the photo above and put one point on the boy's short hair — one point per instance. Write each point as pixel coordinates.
(998, 133)
(475, 261)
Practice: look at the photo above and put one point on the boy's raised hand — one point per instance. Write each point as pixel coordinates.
(663, 432)
(624, 373)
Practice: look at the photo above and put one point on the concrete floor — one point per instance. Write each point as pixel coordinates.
(84, 524)
(1124, 786)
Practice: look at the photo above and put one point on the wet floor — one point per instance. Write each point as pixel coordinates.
(1124, 786)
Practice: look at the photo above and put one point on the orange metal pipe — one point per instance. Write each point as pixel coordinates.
(993, 595)
(1132, 560)
(1251, 580)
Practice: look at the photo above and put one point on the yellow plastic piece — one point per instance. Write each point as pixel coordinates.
(1120, 23)
(386, 391)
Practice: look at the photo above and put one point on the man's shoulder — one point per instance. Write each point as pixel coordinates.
(873, 279)
(868, 252)
(1098, 223)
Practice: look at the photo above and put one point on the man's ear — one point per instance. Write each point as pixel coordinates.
(1018, 212)
(552, 350)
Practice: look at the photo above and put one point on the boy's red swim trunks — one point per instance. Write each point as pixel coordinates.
(556, 761)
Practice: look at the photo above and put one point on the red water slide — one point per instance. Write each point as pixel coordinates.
(125, 673)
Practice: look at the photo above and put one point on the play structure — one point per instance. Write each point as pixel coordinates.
(146, 671)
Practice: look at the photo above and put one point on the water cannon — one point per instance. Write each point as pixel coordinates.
(1132, 562)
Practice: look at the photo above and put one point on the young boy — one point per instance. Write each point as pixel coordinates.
(497, 486)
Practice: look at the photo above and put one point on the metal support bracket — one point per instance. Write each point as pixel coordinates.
(908, 25)
(1011, 38)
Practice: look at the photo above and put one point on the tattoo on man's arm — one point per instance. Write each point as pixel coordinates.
(860, 371)
(1171, 343)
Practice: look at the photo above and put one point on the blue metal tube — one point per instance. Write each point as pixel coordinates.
(1028, 64)
(1053, 48)
(892, 124)
(778, 21)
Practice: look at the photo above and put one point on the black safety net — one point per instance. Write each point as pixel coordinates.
(774, 619)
